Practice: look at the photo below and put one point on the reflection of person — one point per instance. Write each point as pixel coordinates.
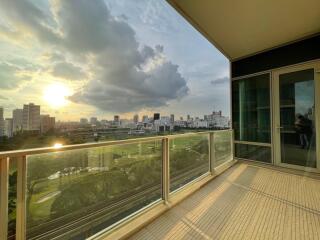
(303, 127)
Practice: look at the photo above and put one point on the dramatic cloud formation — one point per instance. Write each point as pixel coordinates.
(122, 75)
(113, 55)
(68, 70)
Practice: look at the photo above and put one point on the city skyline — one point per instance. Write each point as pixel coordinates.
(139, 117)
(53, 62)
(30, 120)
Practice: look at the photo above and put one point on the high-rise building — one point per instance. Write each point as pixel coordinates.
(172, 118)
(145, 119)
(116, 121)
(116, 118)
(136, 118)
(1, 122)
(188, 117)
(31, 117)
(8, 127)
(47, 123)
(217, 113)
(83, 121)
(93, 120)
(156, 116)
(17, 120)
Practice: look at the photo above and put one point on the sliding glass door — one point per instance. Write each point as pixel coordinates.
(296, 117)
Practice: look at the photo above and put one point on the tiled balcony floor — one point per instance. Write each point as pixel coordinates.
(245, 202)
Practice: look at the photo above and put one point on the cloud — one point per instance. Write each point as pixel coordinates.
(223, 80)
(124, 76)
(68, 70)
(11, 75)
(53, 57)
(120, 82)
(26, 20)
(3, 98)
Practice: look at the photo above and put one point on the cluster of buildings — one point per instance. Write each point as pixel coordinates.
(26, 119)
(159, 123)
(30, 119)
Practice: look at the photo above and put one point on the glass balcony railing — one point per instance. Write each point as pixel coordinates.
(223, 150)
(74, 192)
(189, 159)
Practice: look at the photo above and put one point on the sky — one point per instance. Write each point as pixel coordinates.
(79, 58)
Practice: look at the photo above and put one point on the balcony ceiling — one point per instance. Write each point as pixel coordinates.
(246, 27)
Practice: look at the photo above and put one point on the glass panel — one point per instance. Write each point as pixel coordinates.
(253, 152)
(297, 118)
(222, 146)
(189, 159)
(251, 109)
(87, 190)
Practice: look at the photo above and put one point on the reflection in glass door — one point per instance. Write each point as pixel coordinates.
(297, 118)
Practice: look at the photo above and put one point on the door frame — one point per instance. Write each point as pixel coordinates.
(275, 96)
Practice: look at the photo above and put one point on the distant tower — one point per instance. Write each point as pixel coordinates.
(145, 119)
(93, 120)
(83, 121)
(31, 117)
(116, 118)
(172, 118)
(136, 118)
(47, 123)
(8, 127)
(17, 121)
(156, 116)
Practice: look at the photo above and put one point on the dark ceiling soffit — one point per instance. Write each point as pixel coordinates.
(277, 46)
(176, 6)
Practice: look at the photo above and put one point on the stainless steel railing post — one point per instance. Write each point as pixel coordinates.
(212, 156)
(165, 170)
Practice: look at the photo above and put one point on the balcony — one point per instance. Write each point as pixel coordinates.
(100, 189)
(184, 186)
(245, 202)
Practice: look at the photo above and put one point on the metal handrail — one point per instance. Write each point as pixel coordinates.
(6, 156)
(33, 151)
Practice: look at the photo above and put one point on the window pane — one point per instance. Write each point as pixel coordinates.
(222, 147)
(251, 109)
(252, 152)
(297, 118)
(189, 159)
(87, 190)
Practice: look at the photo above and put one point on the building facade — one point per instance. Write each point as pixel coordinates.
(17, 116)
(31, 117)
(47, 123)
(8, 127)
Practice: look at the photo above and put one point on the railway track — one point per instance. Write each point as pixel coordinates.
(93, 219)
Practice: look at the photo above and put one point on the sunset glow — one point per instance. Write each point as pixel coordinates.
(56, 95)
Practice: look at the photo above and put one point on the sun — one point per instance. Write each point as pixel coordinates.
(56, 95)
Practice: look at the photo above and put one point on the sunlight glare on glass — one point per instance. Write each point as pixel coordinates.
(57, 145)
(56, 95)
